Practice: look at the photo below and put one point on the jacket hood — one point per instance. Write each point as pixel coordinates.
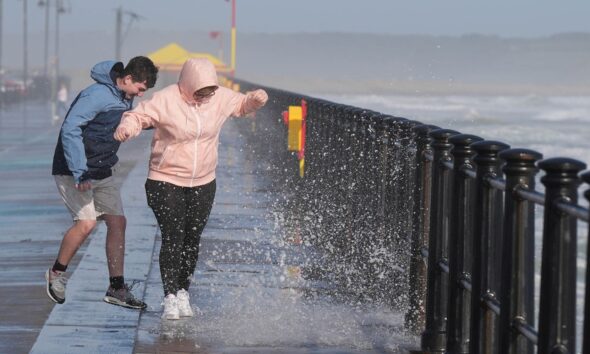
(105, 72)
(196, 73)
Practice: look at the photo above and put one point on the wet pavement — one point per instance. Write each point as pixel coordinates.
(31, 219)
(250, 290)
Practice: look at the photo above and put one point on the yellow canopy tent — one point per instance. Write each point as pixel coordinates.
(172, 56)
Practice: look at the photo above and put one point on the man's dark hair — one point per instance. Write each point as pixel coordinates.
(142, 69)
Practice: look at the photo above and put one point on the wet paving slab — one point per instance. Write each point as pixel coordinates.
(32, 219)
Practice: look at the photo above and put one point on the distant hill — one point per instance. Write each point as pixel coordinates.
(345, 62)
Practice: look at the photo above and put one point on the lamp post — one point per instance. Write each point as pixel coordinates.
(46, 80)
(25, 46)
(1, 36)
(46, 4)
(59, 10)
(119, 34)
(233, 38)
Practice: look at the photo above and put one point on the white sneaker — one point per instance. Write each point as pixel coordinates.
(170, 308)
(184, 306)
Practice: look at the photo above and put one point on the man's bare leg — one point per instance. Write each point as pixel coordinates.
(118, 292)
(73, 239)
(115, 244)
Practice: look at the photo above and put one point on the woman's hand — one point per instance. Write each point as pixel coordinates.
(260, 97)
(254, 101)
(122, 133)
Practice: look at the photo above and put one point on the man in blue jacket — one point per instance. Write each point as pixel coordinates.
(85, 171)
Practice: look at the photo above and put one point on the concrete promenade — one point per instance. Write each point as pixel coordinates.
(250, 292)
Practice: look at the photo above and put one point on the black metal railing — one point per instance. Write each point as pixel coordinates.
(439, 223)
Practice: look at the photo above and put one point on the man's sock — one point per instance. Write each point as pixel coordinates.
(117, 282)
(58, 267)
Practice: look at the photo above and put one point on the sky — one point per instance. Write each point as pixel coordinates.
(506, 18)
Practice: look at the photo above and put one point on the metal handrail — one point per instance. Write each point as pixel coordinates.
(526, 330)
(573, 209)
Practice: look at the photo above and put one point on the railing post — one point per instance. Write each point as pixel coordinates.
(557, 308)
(460, 243)
(517, 294)
(397, 176)
(332, 178)
(313, 147)
(415, 317)
(391, 177)
(486, 247)
(406, 200)
(586, 336)
(434, 338)
(325, 154)
(383, 140)
(318, 156)
(372, 235)
(398, 208)
(343, 194)
(356, 198)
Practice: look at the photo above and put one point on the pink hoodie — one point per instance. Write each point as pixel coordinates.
(184, 146)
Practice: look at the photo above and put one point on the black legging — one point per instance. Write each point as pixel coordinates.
(182, 214)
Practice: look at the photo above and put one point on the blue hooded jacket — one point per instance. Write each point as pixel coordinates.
(86, 148)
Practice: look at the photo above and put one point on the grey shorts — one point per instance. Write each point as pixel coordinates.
(103, 199)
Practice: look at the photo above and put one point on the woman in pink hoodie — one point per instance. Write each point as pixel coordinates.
(187, 118)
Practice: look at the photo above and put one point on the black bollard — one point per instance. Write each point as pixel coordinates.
(460, 243)
(371, 186)
(434, 337)
(408, 183)
(517, 294)
(586, 336)
(344, 159)
(415, 320)
(332, 180)
(356, 197)
(557, 308)
(405, 148)
(486, 247)
(385, 136)
(397, 175)
(326, 173)
(313, 141)
(315, 167)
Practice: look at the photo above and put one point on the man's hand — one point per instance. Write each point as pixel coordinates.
(122, 133)
(84, 186)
